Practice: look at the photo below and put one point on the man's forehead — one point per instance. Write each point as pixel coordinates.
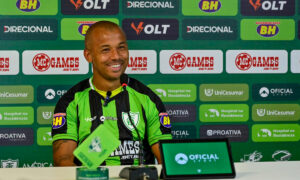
(104, 34)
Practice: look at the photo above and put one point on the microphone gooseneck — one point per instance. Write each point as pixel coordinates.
(141, 154)
(106, 100)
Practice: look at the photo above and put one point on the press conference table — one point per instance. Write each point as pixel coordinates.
(245, 171)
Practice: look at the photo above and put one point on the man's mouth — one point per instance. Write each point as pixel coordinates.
(116, 67)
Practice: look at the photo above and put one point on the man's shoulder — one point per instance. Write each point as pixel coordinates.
(138, 86)
(143, 89)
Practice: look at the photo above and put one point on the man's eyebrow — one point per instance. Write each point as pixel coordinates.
(123, 43)
(104, 46)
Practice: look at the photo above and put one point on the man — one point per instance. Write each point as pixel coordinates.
(102, 99)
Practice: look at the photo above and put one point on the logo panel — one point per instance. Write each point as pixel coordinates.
(252, 157)
(275, 132)
(191, 61)
(268, 7)
(276, 112)
(28, 29)
(275, 92)
(281, 155)
(54, 62)
(89, 7)
(295, 60)
(224, 113)
(232, 132)
(16, 115)
(267, 29)
(208, 29)
(151, 29)
(28, 7)
(183, 132)
(256, 61)
(10, 163)
(151, 7)
(51, 93)
(142, 62)
(181, 112)
(175, 92)
(16, 136)
(76, 28)
(35, 164)
(209, 7)
(16, 94)
(45, 114)
(44, 137)
(224, 92)
(9, 62)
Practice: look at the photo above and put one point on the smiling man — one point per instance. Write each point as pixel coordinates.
(127, 107)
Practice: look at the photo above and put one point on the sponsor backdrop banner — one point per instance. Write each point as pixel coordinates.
(224, 68)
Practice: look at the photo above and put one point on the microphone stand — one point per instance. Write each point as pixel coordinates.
(140, 172)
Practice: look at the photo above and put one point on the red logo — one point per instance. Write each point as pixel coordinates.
(138, 29)
(77, 4)
(177, 61)
(244, 62)
(256, 5)
(4, 64)
(138, 63)
(41, 62)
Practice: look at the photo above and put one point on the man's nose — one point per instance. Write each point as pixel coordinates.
(115, 54)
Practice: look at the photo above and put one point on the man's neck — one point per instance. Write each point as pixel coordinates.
(106, 85)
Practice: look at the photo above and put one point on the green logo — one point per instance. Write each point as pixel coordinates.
(209, 8)
(25, 7)
(16, 94)
(16, 115)
(224, 113)
(135, 117)
(44, 137)
(175, 92)
(75, 28)
(276, 112)
(95, 145)
(267, 29)
(275, 132)
(224, 92)
(45, 114)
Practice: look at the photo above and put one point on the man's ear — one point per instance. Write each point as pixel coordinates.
(88, 55)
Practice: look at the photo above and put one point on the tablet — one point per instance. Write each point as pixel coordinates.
(196, 159)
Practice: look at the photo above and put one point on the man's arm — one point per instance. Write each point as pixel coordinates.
(63, 152)
(156, 152)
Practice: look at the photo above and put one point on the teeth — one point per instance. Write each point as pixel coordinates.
(116, 65)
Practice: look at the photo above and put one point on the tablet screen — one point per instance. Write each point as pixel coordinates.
(197, 158)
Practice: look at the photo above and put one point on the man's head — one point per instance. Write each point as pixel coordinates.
(106, 48)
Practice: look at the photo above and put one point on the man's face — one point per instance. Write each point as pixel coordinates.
(108, 52)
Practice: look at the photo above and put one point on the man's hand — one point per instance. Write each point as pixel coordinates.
(156, 152)
(63, 152)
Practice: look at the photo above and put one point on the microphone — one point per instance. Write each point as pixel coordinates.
(137, 172)
(106, 100)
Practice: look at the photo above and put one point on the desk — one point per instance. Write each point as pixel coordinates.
(245, 171)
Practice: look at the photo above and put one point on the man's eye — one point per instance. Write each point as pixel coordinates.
(122, 47)
(105, 50)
